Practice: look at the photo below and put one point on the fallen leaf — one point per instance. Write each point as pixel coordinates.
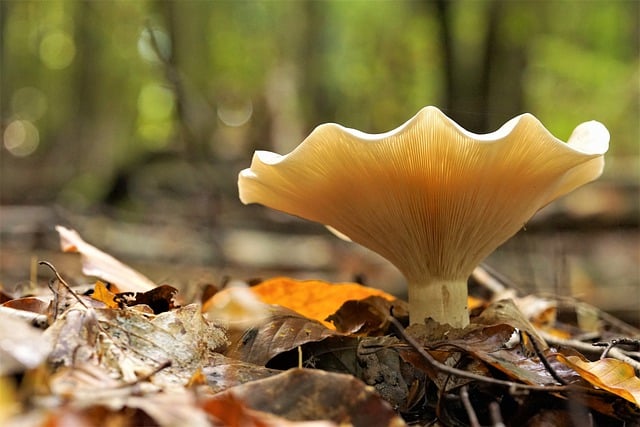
(609, 374)
(283, 330)
(230, 411)
(507, 312)
(102, 293)
(32, 304)
(368, 316)
(102, 265)
(311, 394)
(224, 372)
(4, 296)
(21, 345)
(159, 299)
(105, 401)
(313, 299)
(130, 344)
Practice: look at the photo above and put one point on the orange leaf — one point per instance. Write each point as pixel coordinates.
(609, 374)
(313, 299)
(102, 294)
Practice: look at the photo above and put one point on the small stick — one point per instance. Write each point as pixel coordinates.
(471, 413)
(464, 374)
(63, 283)
(616, 353)
(615, 342)
(496, 415)
(544, 359)
(146, 377)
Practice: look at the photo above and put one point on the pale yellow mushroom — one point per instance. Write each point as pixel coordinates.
(429, 196)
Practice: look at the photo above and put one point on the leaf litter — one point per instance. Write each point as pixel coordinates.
(290, 353)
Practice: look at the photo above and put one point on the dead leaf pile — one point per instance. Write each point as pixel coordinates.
(302, 353)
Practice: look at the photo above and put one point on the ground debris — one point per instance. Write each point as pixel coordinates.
(141, 359)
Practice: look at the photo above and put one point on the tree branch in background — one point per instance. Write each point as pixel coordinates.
(194, 148)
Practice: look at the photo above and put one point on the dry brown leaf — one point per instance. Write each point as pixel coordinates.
(311, 394)
(128, 343)
(368, 316)
(284, 330)
(224, 372)
(32, 304)
(314, 299)
(230, 411)
(609, 374)
(159, 299)
(102, 265)
(4, 296)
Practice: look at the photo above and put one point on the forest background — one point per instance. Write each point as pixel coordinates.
(130, 120)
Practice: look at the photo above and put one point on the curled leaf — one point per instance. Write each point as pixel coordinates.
(102, 265)
(608, 374)
(369, 316)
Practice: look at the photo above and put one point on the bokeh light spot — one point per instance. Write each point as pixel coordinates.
(235, 114)
(21, 138)
(146, 47)
(155, 102)
(57, 50)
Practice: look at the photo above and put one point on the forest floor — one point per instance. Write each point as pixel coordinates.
(568, 341)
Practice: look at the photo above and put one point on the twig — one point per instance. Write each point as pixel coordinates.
(543, 359)
(174, 78)
(615, 342)
(487, 277)
(496, 415)
(615, 353)
(471, 413)
(63, 283)
(623, 327)
(163, 365)
(573, 343)
(513, 386)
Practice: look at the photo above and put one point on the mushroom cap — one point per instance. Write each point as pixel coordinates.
(429, 196)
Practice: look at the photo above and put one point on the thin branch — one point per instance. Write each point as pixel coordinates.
(63, 283)
(615, 353)
(496, 415)
(544, 359)
(174, 78)
(616, 342)
(513, 386)
(471, 413)
(164, 365)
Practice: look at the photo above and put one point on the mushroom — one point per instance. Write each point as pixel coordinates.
(429, 196)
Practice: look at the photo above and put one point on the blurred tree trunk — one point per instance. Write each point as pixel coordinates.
(447, 51)
(4, 112)
(193, 142)
(315, 87)
(84, 92)
(481, 94)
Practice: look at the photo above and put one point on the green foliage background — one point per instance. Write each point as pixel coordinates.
(91, 100)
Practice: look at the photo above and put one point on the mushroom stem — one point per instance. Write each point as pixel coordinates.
(443, 300)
